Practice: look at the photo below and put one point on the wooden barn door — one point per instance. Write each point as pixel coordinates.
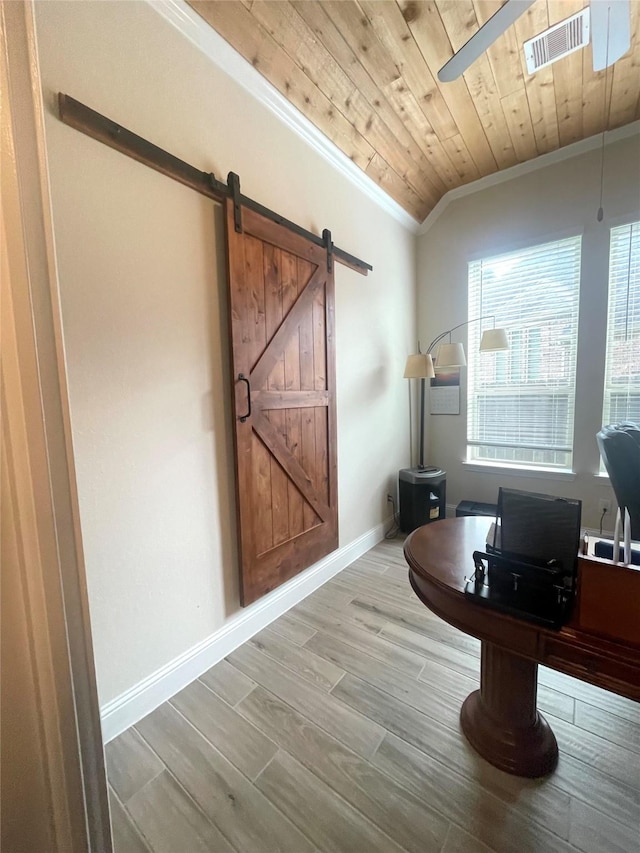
(282, 328)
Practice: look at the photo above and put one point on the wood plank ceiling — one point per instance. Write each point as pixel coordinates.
(365, 73)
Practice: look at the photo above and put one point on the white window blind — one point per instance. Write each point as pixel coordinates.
(622, 367)
(520, 402)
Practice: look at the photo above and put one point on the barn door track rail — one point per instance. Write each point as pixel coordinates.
(94, 124)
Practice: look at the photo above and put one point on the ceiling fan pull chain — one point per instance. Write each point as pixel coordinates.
(605, 121)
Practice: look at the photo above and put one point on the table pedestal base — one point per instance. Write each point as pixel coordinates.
(501, 721)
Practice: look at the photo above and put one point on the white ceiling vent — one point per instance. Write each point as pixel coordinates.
(558, 41)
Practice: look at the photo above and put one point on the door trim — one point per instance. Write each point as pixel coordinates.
(37, 433)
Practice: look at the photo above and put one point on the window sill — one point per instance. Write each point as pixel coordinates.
(516, 471)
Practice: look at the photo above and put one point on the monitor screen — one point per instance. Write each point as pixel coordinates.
(541, 528)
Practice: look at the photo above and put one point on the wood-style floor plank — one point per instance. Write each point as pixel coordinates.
(557, 704)
(387, 590)
(459, 841)
(316, 670)
(615, 729)
(375, 646)
(291, 630)
(241, 812)
(491, 820)
(227, 682)
(426, 624)
(432, 697)
(313, 613)
(620, 706)
(245, 747)
(434, 650)
(331, 823)
(400, 571)
(597, 752)
(171, 821)
(126, 838)
(360, 734)
(447, 746)
(459, 686)
(603, 792)
(331, 597)
(392, 808)
(337, 728)
(130, 764)
(448, 681)
(594, 832)
(407, 691)
(373, 562)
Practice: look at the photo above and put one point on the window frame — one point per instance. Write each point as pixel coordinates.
(565, 252)
(610, 388)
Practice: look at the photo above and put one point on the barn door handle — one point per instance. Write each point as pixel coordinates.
(243, 378)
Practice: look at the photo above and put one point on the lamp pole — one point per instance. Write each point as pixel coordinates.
(422, 400)
(431, 347)
(442, 335)
(420, 366)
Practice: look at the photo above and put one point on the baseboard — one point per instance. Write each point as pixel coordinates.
(144, 697)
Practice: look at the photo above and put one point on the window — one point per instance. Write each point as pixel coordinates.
(520, 403)
(622, 366)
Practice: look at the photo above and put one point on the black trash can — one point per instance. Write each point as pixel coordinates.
(422, 497)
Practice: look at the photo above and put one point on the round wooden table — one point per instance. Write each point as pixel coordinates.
(500, 720)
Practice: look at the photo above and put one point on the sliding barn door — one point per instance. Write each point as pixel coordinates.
(282, 328)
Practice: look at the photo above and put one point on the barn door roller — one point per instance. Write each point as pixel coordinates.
(326, 236)
(233, 182)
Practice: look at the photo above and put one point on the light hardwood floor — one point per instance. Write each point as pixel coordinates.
(336, 729)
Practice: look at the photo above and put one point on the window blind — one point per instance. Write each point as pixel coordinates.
(622, 364)
(520, 402)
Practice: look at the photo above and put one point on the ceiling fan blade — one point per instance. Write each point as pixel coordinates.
(484, 38)
(609, 18)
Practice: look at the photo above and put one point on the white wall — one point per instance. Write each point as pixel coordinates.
(141, 267)
(547, 204)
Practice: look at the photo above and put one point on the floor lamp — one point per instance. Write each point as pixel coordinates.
(421, 365)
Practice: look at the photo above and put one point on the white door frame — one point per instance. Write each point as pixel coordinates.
(40, 481)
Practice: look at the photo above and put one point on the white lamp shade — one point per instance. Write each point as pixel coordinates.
(450, 355)
(493, 340)
(419, 366)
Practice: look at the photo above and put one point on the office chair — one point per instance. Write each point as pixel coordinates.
(619, 446)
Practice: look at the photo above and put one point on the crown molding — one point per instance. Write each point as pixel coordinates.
(517, 171)
(184, 19)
